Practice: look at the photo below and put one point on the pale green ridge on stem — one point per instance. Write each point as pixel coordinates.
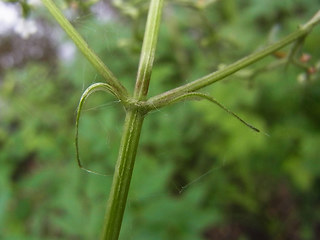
(84, 48)
(91, 89)
(132, 128)
(165, 97)
(122, 175)
(148, 49)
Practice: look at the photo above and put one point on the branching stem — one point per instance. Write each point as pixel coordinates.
(132, 128)
(139, 105)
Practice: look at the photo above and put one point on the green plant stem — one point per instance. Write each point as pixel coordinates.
(164, 98)
(87, 52)
(132, 128)
(122, 175)
(148, 49)
(137, 107)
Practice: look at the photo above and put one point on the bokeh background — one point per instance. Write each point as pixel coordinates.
(200, 173)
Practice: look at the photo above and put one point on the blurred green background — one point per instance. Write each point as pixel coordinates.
(199, 174)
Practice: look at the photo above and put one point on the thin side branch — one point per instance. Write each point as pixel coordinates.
(86, 51)
(211, 78)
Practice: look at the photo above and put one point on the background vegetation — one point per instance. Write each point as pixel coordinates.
(199, 173)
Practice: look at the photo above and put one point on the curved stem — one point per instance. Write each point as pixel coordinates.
(91, 89)
(200, 96)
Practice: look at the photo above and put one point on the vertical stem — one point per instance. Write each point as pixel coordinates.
(122, 175)
(148, 49)
(132, 129)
